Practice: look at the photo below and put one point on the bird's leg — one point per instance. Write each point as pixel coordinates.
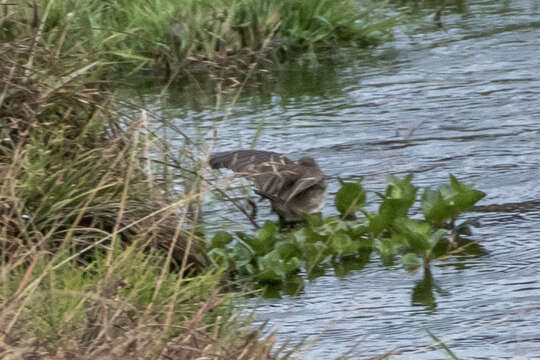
(254, 209)
(282, 224)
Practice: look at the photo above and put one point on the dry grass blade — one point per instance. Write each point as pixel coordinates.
(100, 258)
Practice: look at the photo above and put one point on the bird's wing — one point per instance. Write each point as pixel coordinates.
(270, 171)
(275, 176)
(248, 161)
(303, 183)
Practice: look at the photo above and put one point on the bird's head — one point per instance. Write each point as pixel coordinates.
(308, 162)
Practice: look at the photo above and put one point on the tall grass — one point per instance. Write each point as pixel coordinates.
(99, 257)
(214, 34)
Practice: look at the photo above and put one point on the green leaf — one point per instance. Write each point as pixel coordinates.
(288, 249)
(343, 245)
(448, 201)
(398, 199)
(309, 234)
(401, 189)
(251, 242)
(436, 237)
(465, 196)
(436, 209)
(417, 233)
(377, 223)
(220, 240)
(250, 269)
(386, 247)
(358, 231)
(314, 220)
(271, 268)
(244, 237)
(399, 240)
(241, 254)
(292, 265)
(267, 232)
(350, 198)
(313, 253)
(218, 255)
(411, 262)
(263, 241)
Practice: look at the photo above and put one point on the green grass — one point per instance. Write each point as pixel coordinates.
(133, 308)
(183, 34)
(99, 257)
(99, 253)
(67, 303)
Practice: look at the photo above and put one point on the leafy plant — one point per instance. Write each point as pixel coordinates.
(350, 198)
(397, 200)
(448, 201)
(273, 256)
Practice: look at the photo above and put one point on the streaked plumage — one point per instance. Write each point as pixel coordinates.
(294, 189)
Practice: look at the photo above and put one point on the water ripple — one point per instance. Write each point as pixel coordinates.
(462, 100)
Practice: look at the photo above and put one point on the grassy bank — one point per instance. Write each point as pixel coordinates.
(100, 252)
(99, 255)
(179, 35)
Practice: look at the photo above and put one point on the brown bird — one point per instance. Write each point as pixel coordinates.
(294, 189)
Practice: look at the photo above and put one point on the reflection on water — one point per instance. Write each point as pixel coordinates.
(423, 292)
(463, 98)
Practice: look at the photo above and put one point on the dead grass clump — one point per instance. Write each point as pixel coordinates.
(70, 166)
(88, 232)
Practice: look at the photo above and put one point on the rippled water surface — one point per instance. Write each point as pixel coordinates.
(462, 99)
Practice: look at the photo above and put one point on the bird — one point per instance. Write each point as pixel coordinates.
(294, 189)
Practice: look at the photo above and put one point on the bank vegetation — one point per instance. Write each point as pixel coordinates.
(101, 253)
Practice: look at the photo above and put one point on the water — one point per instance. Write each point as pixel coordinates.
(463, 99)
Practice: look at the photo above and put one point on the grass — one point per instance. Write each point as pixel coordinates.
(99, 253)
(182, 35)
(88, 312)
